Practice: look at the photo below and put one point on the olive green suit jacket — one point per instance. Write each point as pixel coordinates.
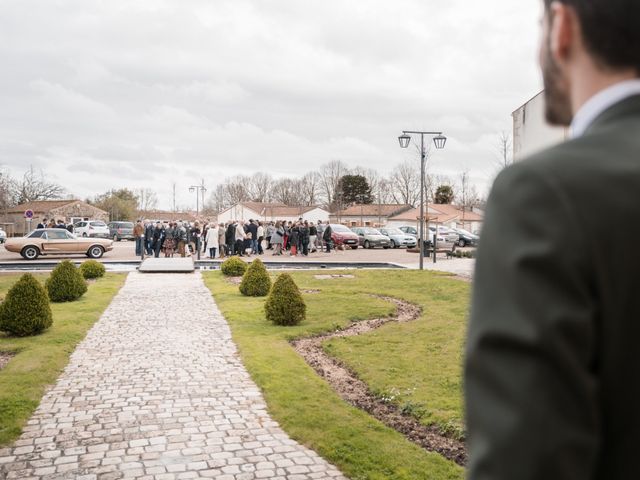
(552, 368)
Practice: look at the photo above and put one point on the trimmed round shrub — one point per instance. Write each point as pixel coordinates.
(285, 305)
(233, 267)
(255, 281)
(66, 283)
(25, 310)
(92, 269)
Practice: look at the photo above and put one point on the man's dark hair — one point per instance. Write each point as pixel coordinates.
(611, 30)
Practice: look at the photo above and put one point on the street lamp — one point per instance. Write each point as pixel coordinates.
(198, 189)
(439, 141)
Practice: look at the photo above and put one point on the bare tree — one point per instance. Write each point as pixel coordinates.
(288, 191)
(330, 175)
(405, 183)
(237, 189)
(217, 201)
(505, 150)
(148, 200)
(34, 186)
(260, 187)
(384, 191)
(310, 188)
(6, 183)
(467, 193)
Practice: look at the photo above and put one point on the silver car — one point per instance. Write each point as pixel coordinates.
(398, 238)
(446, 233)
(371, 238)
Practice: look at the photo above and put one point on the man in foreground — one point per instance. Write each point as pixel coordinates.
(552, 388)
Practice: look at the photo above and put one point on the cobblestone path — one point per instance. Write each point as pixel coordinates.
(157, 391)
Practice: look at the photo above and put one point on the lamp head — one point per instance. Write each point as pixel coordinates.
(440, 141)
(404, 140)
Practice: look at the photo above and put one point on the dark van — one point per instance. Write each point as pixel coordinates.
(121, 230)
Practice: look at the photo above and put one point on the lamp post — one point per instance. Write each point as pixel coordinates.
(439, 141)
(198, 189)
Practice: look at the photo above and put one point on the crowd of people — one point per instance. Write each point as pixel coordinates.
(238, 237)
(52, 223)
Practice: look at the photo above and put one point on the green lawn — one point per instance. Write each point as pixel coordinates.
(421, 360)
(39, 360)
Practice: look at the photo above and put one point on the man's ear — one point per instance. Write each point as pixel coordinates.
(563, 31)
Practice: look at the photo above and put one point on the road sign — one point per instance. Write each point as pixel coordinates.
(28, 214)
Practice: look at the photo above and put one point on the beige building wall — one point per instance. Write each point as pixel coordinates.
(531, 132)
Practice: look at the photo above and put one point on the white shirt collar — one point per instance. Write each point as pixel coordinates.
(600, 102)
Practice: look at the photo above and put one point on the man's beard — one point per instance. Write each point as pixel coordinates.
(557, 101)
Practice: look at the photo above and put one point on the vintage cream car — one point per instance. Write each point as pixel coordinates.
(57, 241)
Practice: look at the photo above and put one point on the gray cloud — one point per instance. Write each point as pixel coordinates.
(141, 94)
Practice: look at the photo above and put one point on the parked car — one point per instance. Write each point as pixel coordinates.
(3, 236)
(409, 230)
(341, 235)
(92, 228)
(57, 241)
(449, 235)
(466, 238)
(371, 238)
(121, 230)
(429, 234)
(397, 238)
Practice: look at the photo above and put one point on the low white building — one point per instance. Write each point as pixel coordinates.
(268, 212)
(370, 215)
(451, 216)
(531, 132)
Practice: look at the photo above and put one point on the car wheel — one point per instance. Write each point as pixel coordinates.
(354, 248)
(462, 243)
(84, 234)
(30, 253)
(96, 251)
(393, 244)
(115, 238)
(367, 244)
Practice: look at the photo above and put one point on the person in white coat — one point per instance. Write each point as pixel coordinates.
(212, 240)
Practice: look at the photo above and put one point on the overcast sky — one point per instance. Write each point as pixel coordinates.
(139, 94)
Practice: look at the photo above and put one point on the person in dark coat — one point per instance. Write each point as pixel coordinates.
(304, 237)
(294, 236)
(157, 238)
(148, 237)
(230, 238)
(552, 361)
(326, 237)
(252, 228)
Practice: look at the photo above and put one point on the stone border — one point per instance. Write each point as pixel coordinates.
(5, 357)
(357, 393)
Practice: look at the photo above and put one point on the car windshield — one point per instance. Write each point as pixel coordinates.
(371, 231)
(126, 225)
(340, 228)
(392, 231)
(98, 224)
(463, 231)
